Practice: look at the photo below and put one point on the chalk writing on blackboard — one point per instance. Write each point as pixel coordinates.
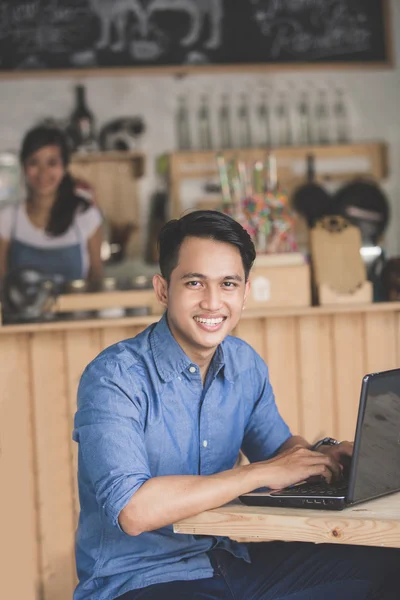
(62, 34)
(326, 27)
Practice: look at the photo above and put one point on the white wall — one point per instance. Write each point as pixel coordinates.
(373, 98)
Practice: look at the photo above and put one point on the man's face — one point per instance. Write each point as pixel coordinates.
(206, 293)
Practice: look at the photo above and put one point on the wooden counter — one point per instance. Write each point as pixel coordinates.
(317, 357)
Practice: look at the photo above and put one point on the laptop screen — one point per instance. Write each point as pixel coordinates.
(378, 456)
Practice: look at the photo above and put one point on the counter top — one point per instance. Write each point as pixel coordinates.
(247, 314)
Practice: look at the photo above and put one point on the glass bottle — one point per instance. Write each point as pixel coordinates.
(244, 123)
(283, 122)
(341, 119)
(225, 123)
(182, 125)
(322, 118)
(205, 140)
(81, 124)
(304, 137)
(264, 122)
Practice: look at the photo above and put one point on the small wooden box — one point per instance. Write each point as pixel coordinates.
(278, 286)
(328, 297)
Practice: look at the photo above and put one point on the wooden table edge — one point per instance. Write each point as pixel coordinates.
(355, 525)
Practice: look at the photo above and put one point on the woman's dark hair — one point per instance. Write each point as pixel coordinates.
(67, 201)
(209, 224)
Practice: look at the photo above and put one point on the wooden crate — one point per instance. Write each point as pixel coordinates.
(114, 177)
(279, 286)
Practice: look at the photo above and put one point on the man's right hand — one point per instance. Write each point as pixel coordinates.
(295, 465)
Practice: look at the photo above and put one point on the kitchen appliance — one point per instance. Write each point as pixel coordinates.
(122, 134)
(29, 294)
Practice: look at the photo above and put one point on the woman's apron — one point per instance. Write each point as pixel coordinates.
(66, 261)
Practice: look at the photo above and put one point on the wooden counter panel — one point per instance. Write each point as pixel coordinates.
(348, 363)
(316, 357)
(19, 548)
(316, 390)
(381, 341)
(80, 348)
(52, 424)
(281, 355)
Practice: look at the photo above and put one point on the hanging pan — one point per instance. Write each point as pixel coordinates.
(311, 200)
(364, 204)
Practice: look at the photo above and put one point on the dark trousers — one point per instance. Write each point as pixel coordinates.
(290, 571)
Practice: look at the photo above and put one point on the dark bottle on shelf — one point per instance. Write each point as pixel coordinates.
(81, 124)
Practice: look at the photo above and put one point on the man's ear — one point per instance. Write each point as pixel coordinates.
(246, 293)
(160, 286)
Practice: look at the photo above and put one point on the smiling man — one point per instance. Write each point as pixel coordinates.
(161, 419)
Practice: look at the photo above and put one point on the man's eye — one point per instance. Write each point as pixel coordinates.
(193, 283)
(230, 284)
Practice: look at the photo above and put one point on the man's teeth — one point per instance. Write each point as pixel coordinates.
(209, 321)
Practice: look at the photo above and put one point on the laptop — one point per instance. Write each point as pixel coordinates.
(374, 469)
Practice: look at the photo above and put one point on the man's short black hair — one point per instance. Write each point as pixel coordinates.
(209, 224)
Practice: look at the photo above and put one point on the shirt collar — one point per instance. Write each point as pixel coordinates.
(170, 359)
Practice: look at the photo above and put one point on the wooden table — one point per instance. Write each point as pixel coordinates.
(374, 523)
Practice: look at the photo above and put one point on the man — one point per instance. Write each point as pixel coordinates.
(160, 422)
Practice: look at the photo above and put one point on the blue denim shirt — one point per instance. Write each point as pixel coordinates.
(144, 412)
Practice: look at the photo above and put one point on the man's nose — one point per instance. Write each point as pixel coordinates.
(212, 299)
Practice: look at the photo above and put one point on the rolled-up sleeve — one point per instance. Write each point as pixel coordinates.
(109, 428)
(266, 431)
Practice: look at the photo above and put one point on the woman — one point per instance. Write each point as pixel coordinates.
(55, 230)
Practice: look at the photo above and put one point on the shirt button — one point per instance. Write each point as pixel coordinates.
(192, 369)
(205, 443)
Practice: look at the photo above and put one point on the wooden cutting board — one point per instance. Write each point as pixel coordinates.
(336, 258)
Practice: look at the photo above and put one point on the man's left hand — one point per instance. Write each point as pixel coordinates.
(341, 453)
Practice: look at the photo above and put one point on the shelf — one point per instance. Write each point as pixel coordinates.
(134, 157)
(332, 163)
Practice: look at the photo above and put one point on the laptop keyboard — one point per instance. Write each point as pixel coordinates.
(315, 489)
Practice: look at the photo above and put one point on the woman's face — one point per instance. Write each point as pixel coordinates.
(44, 171)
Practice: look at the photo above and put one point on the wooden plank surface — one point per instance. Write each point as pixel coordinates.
(380, 342)
(374, 523)
(251, 332)
(81, 347)
(316, 381)
(20, 570)
(54, 481)
(348, 365)
(282, 356)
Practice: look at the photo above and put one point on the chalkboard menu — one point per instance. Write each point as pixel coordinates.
(85, 34)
